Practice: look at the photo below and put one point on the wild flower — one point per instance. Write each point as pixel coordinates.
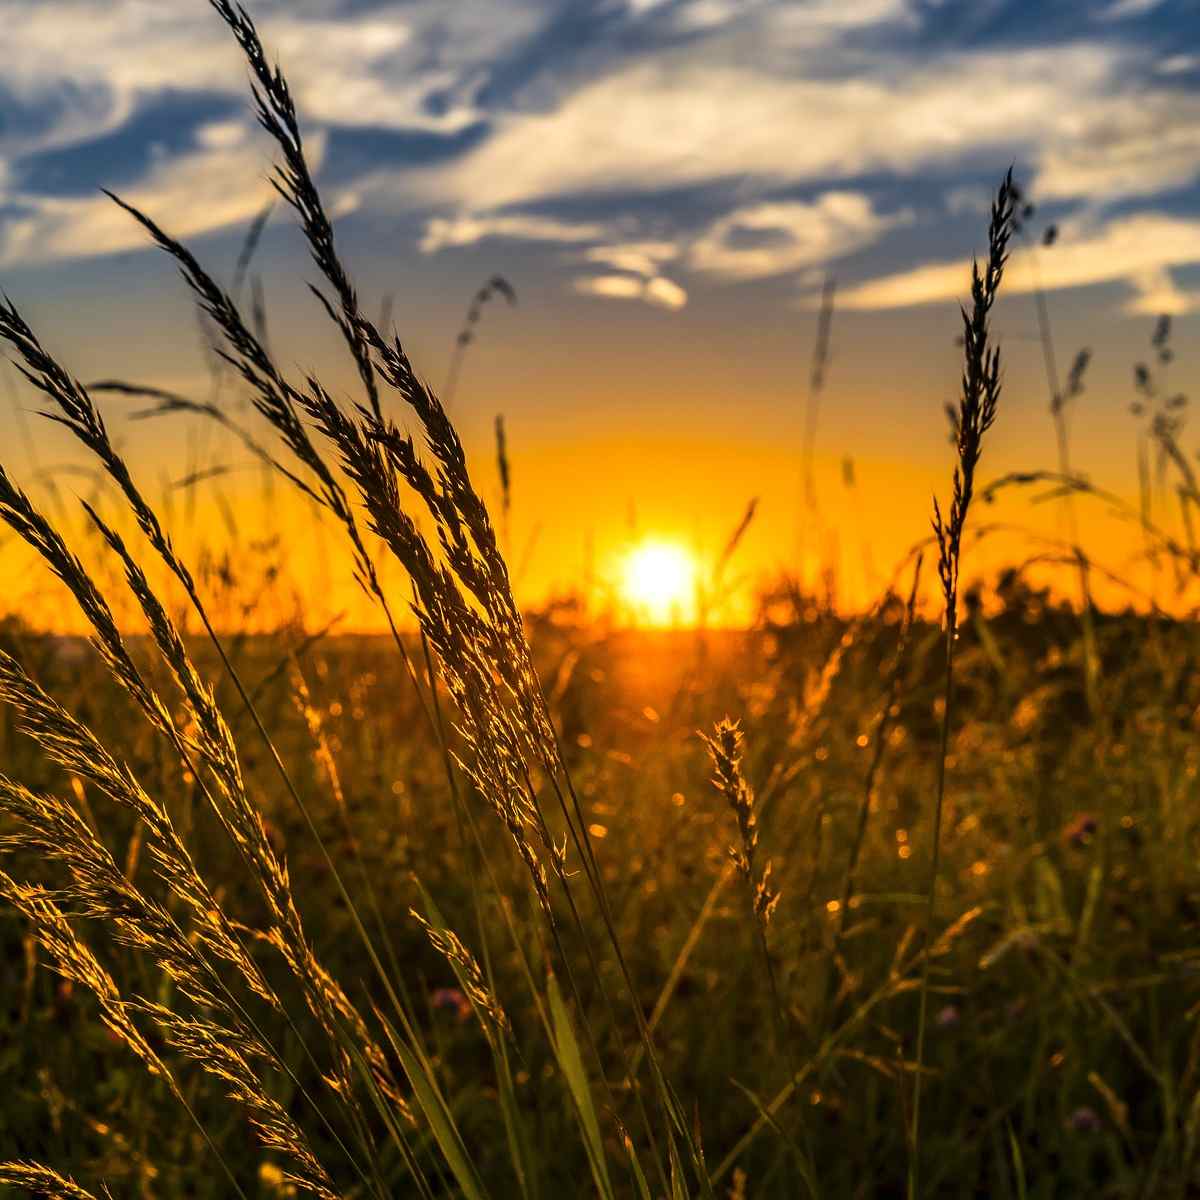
(478, 995)
(453, 1000)
(949, 1017)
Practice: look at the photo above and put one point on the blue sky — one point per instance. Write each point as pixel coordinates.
(654, 149)
(666, 182)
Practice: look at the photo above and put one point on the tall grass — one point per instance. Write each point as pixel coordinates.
(976, 414)
(473, 631)
(284, 1010)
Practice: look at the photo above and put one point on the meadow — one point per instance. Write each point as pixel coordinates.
(524, 903)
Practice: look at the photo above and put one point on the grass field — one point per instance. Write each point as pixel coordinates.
(1061, 1006)
(524, 903)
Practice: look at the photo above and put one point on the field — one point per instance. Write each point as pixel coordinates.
(1060, 1003)
(528, 903)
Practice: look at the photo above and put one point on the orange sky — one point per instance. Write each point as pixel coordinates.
(589, 487)
(666, 185)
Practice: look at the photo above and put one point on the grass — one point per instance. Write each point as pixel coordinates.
(460, 911)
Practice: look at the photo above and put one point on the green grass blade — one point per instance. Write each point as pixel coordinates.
(436, 1111)
(570, 1060)
(639, 1176)
(1014, 1148)
(514, 1121)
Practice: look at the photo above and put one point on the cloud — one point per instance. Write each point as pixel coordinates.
(774, 239)
(1156, 293)
(467, 229)
(701, 116)
(968, 200)
(78, 69)
(616, 287)
(1129, 145)
(659, 291)
(730, 101)
(1178, 64)
(1138, 249)
(750, 242)
(665, 292)
(209, 188)
(220, 135)
(636, 258)
(635, 265)
(816, 21)
(640, 273)
(1122, 10)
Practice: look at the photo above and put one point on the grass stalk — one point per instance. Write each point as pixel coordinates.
(975, 416)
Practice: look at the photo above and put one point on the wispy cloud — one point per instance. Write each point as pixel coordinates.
(1138, 250)
(90, 64)
(1121, 10)
(638, 258)
(749, 242)
(1155, 292)
(467, 230)
(658, 290)
(218, 184)
(814, 22)
(694, 118)
(638, 273)
(1129, 144)
(780, 238)
(651, 140)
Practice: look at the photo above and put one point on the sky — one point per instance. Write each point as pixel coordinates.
(666, 184)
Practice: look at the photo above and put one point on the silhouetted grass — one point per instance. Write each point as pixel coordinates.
(454, 913)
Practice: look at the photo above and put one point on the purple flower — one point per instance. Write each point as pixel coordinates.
(949, 1017)
(1084, 1120)
(1080, 830)
(452, 999)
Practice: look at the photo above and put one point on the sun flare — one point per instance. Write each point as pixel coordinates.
(658, 583)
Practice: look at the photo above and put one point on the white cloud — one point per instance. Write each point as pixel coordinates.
(1137, 249)
(220, 135)
(77, 69)
(1178, 64)
(774, 239)
(1155, 292)
(665, 292)
(344, 202)
(813, 21)
(758, 96)
(1121, 10)
(195, 193)
(467, 230)
(818, 23)
(657, 290)
(1125, 145)
(636, 258)
(699, 116)
(616, 287)
(640, 275)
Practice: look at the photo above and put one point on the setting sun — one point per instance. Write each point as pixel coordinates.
(658, 583)
(643, 641)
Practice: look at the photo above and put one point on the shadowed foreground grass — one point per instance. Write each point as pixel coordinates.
(475, 911)
(1061, 1006)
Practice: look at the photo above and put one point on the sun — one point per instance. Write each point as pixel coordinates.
(658, 583)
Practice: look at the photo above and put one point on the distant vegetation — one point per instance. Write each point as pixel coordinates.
(517, 904)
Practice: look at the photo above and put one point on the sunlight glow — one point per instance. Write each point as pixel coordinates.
(658, 583)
